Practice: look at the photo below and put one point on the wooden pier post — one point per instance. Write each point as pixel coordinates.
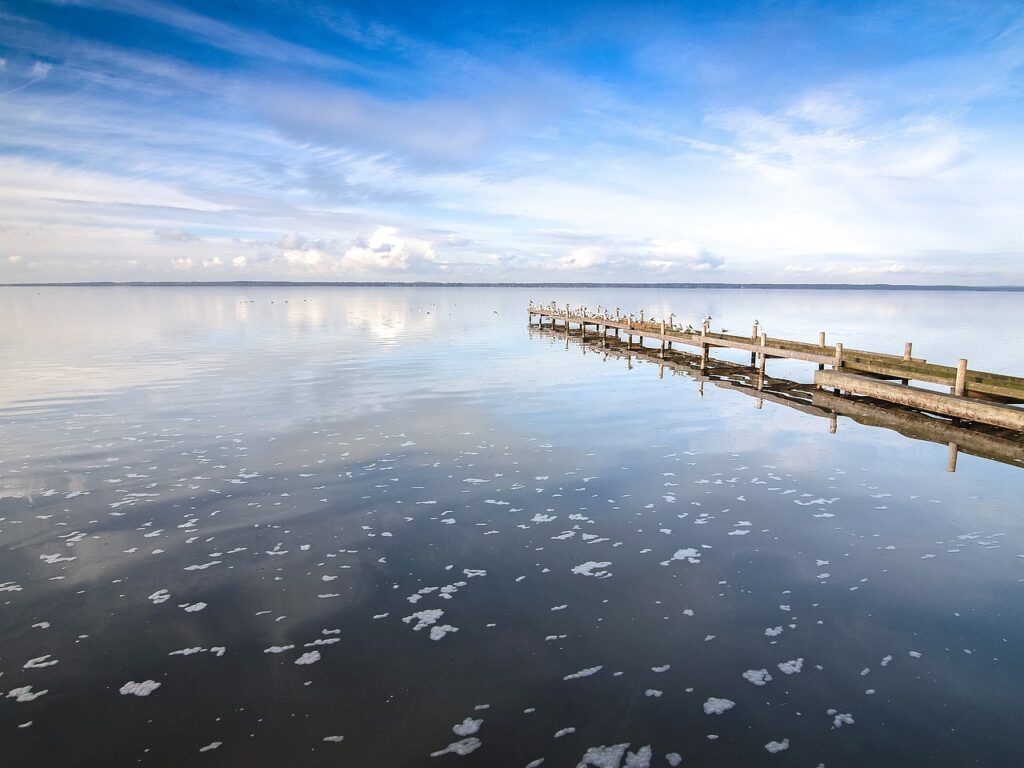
(954, 450)
(662, 339)
(753, 340)
(961, 378)
(821, 343)
(762, 357)
(838, 362)
(907, 348)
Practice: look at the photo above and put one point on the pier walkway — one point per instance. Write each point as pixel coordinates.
(974, 396)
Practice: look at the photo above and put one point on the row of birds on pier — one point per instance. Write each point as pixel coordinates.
(605, 313)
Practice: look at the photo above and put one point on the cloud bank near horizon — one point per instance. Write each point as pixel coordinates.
(718, 142)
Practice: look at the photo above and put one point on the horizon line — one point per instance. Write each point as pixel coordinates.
(528, 284)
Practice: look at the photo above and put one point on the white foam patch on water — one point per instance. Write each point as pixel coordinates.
(334, 739)
(535, 763)
(840, 719)
(777, 746)
(640, 759)
(689, 554)
(312, 657)
(25, 693)
(461, 748)
(674, 759)
(424, 618)
(914, 654)
(39, 662)
(203, 567)
(564, 732)
(278, 648)
(146, 687)
(187, 651)
(773, 631)
(664, 668)
(653, 693)
(791, 667)
(467, 727)
(592, 568)
(886, 661)
(439, 631)
(211, 746)
(56, 558)
(41, 625)
(160, 596)
(603, 757)
(715, 706)
(584, 673)
(757, 676)
(194, 607)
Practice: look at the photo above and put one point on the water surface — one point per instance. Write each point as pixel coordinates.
(321, 526)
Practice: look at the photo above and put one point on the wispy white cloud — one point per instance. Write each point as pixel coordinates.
(40, 70)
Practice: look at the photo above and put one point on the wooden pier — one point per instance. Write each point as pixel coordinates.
(973, 396)
(987, 442)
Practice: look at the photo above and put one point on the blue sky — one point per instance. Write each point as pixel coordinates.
(719, 142)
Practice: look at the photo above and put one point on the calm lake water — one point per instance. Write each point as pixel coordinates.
(394, 527)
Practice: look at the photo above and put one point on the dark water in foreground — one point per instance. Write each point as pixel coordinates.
(357, 526)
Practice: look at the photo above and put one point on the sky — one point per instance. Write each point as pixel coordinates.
(780, 142)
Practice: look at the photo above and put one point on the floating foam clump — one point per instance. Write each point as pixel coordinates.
(144, 688)
(715, 706)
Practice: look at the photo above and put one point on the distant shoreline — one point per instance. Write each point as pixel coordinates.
(426, 284)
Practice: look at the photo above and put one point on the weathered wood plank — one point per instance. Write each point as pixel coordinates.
(935, 402)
